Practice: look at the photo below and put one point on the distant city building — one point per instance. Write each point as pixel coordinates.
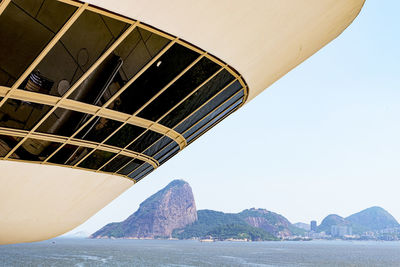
(313, 226)
(340, 231)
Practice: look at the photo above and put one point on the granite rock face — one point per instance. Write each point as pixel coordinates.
(170, 208)
(269, 221)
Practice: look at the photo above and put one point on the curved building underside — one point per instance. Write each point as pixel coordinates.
(96, 96)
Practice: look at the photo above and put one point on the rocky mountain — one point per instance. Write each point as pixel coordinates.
(272, 224)
(221, 225)
(269, 221)
(170, 208)
(371, 219)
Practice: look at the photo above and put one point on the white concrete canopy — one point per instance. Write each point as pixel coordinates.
(38, 202)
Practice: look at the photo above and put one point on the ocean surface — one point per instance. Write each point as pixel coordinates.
(86, 252)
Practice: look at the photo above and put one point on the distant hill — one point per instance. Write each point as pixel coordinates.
(371, 219)
(330, 220)
(170, 208)
(271, 222)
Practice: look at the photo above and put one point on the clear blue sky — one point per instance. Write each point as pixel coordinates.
(323, 139)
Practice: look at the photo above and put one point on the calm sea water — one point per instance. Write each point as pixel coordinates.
(86, 252)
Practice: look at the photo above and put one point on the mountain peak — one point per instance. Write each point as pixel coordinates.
(170, 208)
(373, 218)
(177, 182)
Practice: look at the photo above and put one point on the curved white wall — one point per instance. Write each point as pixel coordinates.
(261, 39)
(38, 202)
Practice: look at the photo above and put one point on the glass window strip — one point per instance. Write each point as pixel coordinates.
(170, 83)
(165, 49)
(118, 93)
(199, 134)
(209, 100)
(78, 106)
(81, 79)
(45, 51)
(88, 144)
(162, 158)
(173, 39)
(195, 90)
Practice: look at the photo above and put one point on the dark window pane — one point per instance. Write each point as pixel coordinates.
(210, 123)
(143, 174)
(69, 155)
(63, 122)
(116, 163)
(96, 159)
(139, 170)
(94, 88)
(209, 107)
(154, 79)
(180, 89)
(211, 116)
(98, 129)
(25, 29)
(7, 143)
(134, 53)
(125, 135)
(21, 115)
(130, 167)
(206, 92)
(138, 49)
(151, 151)
(168, 155)
(145, 141)
(165, 150)
(85, 41)
(35, 150)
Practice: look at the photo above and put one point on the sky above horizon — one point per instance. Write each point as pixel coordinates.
(323, 139)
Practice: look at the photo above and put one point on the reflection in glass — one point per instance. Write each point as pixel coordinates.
(200, 72)
(35, 150)
(7, 143)
(143, 174)
(168, 155)
(98, 129)
(144, 141)
(176, 59)
(165, 150)
(130, 167)
(116, 163)
(208, 122)
(96, 159)
(69, 155)
(125, 135)
(209, 90)
(21, 115)
(85, 41)
(143, 167)
(139, 47)
(25, 29)
(63, 122)
(212, 107)
(155, 147)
